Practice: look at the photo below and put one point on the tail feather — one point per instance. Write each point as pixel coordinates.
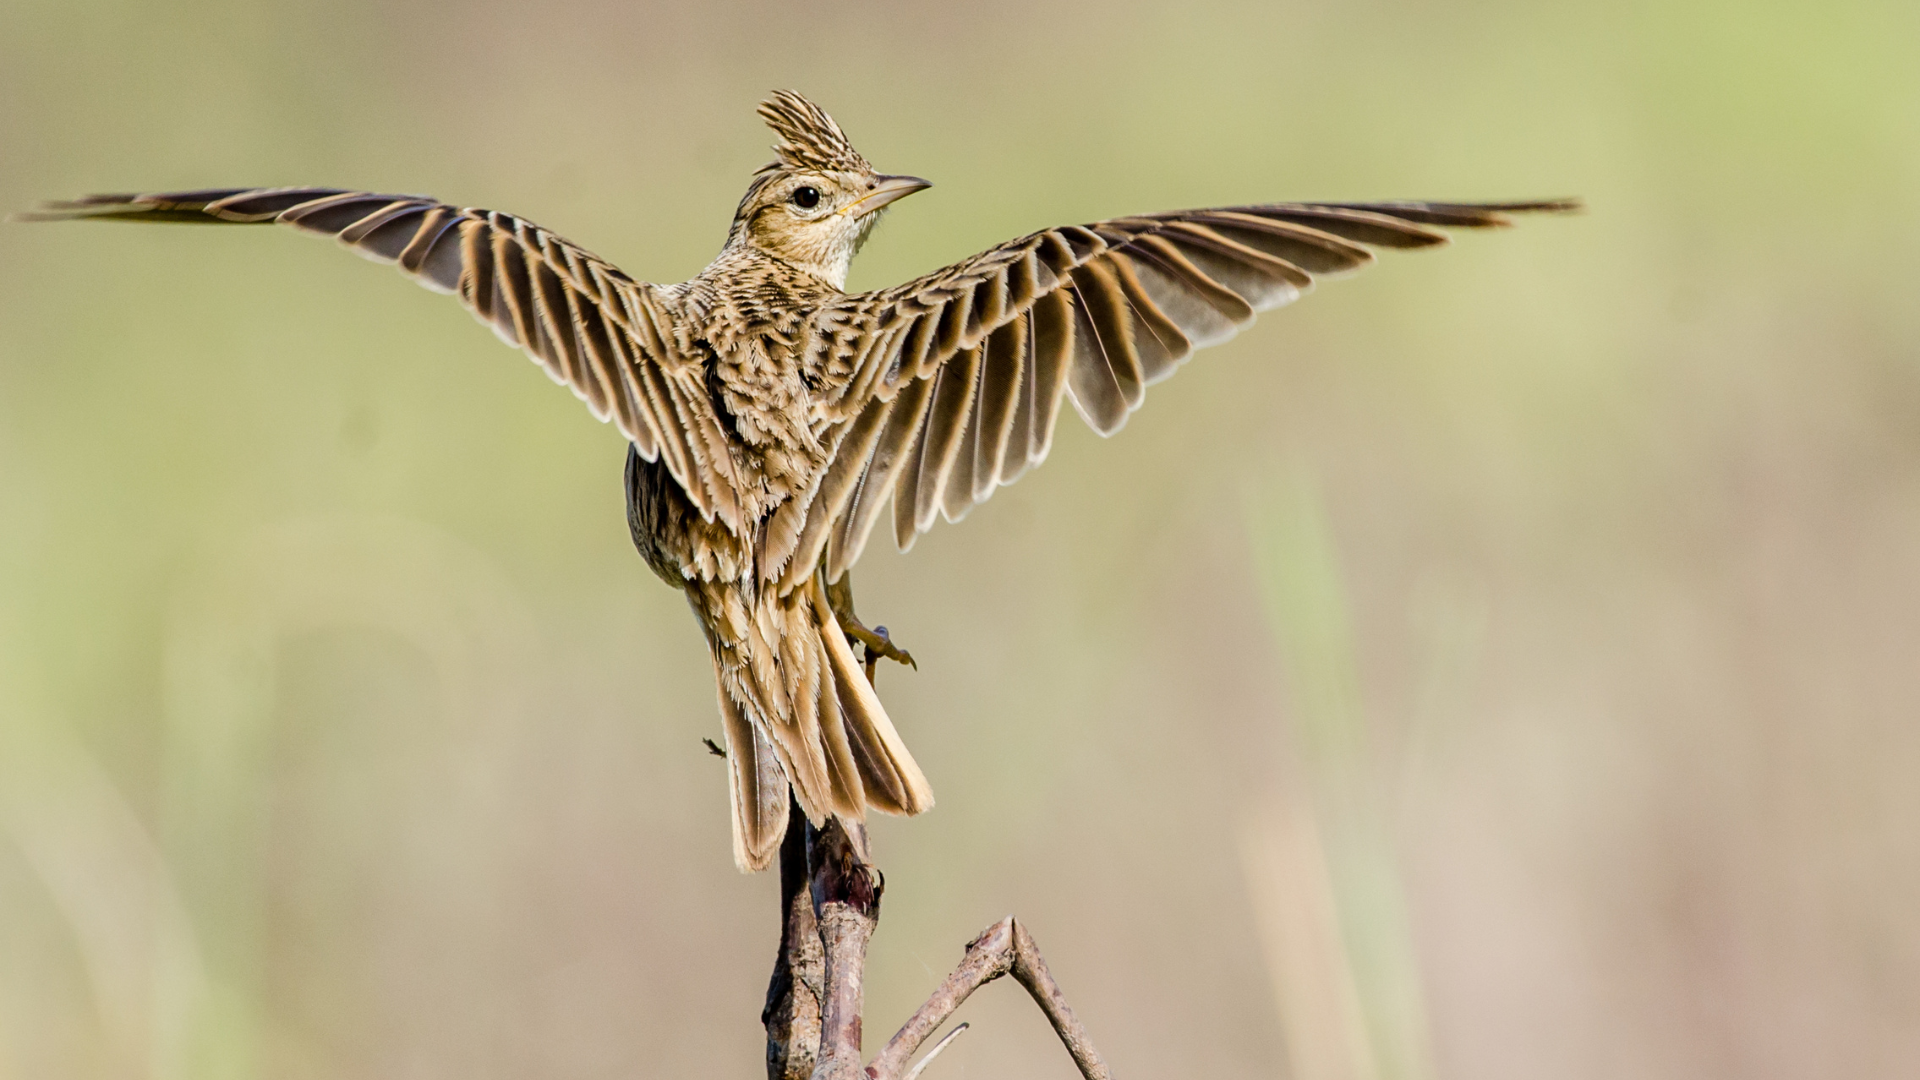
(799, 711)
(758, 786)
(770, 667)
(892, 779)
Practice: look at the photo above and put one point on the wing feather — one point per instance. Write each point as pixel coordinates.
(1002, 380)
(890, 453)
(976, 357)
(1053, 346)
(590, 326)
(939, 443)
(836, 490)
(1093, 385)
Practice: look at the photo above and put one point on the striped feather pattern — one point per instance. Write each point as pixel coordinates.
(983, 352)
(590, 326)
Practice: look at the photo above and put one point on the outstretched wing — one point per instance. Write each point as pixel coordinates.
(595, 330)
(952, 382)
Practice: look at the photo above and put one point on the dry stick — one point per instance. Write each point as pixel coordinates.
(792, 1013)
(1031, 970)
(921, 1065)
(846, 901)
(1001, 949)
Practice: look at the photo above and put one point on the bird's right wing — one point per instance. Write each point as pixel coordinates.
(595, 330)
(949, 384)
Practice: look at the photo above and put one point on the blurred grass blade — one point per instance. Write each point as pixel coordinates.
(1337, 828)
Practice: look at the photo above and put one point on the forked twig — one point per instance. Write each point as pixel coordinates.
(1003, 948)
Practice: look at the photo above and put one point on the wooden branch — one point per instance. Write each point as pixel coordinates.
(1001, 949)
(792, 1012)
(1031, 969)
(846, 903)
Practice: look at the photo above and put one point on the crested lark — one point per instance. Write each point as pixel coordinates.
(771, 414)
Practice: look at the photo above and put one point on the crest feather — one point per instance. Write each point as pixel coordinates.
(809, 139)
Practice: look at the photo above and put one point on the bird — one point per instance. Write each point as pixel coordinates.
(772, 417)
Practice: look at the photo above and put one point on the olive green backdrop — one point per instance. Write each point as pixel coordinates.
(1501, 665)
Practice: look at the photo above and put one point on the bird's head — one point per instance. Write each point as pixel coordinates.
(813, 206)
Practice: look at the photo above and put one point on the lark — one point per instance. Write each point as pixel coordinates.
(773, 417)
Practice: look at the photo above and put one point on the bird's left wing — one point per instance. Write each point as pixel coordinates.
(949, 385)
(595, 330)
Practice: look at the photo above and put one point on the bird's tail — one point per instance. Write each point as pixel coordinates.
(797, 709)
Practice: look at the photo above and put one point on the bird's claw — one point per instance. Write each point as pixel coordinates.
(879, 643)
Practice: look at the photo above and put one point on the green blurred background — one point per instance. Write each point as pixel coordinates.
(1500, 665)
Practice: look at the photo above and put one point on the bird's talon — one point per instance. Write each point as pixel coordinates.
(879, 643)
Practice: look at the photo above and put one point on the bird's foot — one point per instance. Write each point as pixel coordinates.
(878, 644)
(876, 641)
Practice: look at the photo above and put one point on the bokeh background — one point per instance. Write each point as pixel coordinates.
(1506, 664)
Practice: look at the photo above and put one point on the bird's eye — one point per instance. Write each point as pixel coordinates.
(805, 198)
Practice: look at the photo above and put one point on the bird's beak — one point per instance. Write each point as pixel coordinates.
(886, 189)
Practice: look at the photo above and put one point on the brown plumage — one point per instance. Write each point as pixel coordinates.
(773, 416)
